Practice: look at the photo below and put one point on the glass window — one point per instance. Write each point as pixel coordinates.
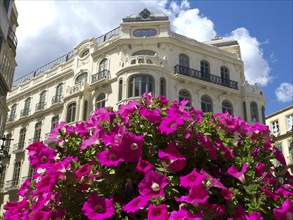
(59, 89)
(71, 110)
(120, 89)
(206, 104)
(85, 110)
(185, 95)
(38, 128)
(2, 176)
(84, 53)
(204, 68)
(227, 107)
(8, 141)
(225, 75)
(275, 126)
(289, 122)
(103, 65)
(101, 100)
(27, 103)
(144, 52)
(263, 115)
(42, 101)
(183, 60)
(82, 78)
(144, 33)
(139, 85)
(162, 86)
(54, 121)
(12, 113)
(21, 138)
(16, 173)
(254, 111)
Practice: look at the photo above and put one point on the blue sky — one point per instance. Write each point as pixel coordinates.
(49, 29)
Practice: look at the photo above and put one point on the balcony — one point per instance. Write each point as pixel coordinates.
(57, 99)
(25, 112)
(196, 74)
(12, 184)
(33, 140)
(76, 89)
(40, 106)
(11, 118)
(104, 74)
(12, 38)
(18, 148)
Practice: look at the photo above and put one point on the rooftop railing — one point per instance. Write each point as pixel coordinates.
(66, 57)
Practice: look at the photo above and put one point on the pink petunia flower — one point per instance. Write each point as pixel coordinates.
(260, 169)
(83, 171)
(131, 147)
(170, 124)
(191, 179)
(254, 216)
(96, 207)
(197, 194)
(152, 115)
(227, 193)
(238, 214)
(144, 166)
(40, 155)
(153, 184)
(232, 171)
(109, 158)
(183, 214)
(38, 214)
(136, 204)
(56, 131)
(285, 212)
(175, 159)
(24, 189)
(157, 212)
(212, 182)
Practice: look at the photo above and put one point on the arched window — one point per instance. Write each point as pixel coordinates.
(101, 101)
(162, 86)
(103, 65)
(21, 138)
(71, 110)
(38, 128)
(42, 101)
(185, 95)
(139, 85)
(225, 75)
(25, 111)
(82, 78)
(227, 107)
(120, 89)
(183, 60)
(206, 104)
(58, 95)
(12, 113)
(254, 111)
(144, 52)
(204, 69)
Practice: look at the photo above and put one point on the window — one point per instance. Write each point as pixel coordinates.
(206, 104)
(275, 127)
(144, 52)
(162, 86)
(85, 110)
(263, 115)
(82, 78)
(244, 111)
(144, 33)
(139, 85)
(120, 89)
(204, 69)
(227, 107)
(42, 101)
(12, 113)
(2, 177)
(183, 60)
(101, 101)
(26, 109)
(225, 75)
(54, 121)
(254, 111)
(185, 95)
(84, 53)
(58, 94)
(38, 128)
(8, 141)
(289, 122)
(71, 110)
(16, 173)
(21, 138)
(103, 65)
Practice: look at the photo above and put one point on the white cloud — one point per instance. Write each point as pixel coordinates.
(256, 68)
(284, 92)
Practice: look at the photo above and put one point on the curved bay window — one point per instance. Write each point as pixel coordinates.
(82, 78)
(139, 85)
(204, 69)
(225, 75)
(227, 107)
(71, 111)
(206, 104)
(185, 95)
(254, 111)
(183, 60)
(101, 101)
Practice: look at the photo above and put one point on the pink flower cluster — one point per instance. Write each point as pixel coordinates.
(156, 159)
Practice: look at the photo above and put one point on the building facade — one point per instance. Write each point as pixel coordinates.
(281, 126)
(141, 55)
(8, 44)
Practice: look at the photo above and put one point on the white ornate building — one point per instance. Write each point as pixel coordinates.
(141, 55)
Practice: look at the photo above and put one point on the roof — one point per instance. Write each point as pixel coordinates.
(222, 42)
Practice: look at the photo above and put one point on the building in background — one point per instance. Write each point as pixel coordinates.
(8, 43)
(141, 55)
(281, 126)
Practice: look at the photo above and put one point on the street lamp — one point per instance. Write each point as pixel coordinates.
(3, 152)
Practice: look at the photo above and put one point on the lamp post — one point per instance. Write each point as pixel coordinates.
(3, 152)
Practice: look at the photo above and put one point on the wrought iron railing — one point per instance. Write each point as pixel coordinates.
(57, 99)
(104, 74)
(24, 112)
(40, 106)
(11, 118)
(206, 77)
(108, 35)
